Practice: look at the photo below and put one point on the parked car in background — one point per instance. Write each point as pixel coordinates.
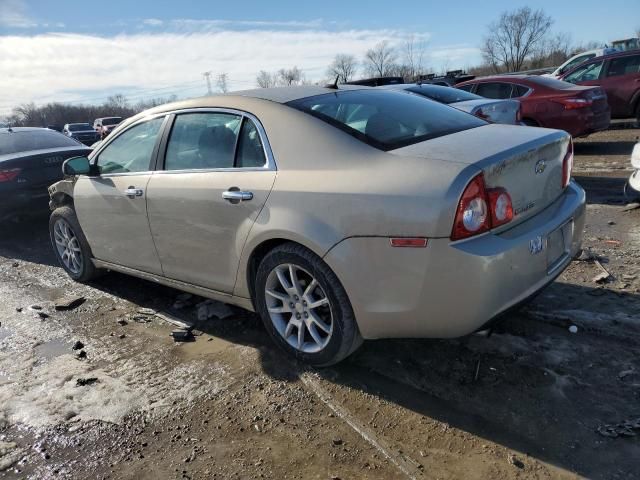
(83, 132)
(618, 75)
(494, 111)
(104, 126)
(578, 59)
(57, 128)
(376, 81)
(547, 102)
(304, 203)
(449, 79)
(31, 160)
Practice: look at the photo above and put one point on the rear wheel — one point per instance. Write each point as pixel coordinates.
(70, 245)
(304, 307)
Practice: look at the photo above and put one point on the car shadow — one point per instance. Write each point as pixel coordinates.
(27, 239)
(604, 148)
(603, 190)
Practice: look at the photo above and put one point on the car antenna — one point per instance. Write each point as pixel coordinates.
(334, 85)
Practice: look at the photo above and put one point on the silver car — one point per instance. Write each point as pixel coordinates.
(494, 111)
(336, 214)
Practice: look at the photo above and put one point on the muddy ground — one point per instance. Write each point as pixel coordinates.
(533, 400)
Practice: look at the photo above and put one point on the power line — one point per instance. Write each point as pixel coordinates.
(207, 76)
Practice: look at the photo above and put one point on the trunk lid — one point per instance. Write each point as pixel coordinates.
(39, 168)
(526, 161)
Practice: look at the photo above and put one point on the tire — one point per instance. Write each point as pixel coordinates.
(332, 312)
(82, 269)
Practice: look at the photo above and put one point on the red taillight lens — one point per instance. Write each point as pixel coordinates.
(572, 103)
(472, 216)
(480, 114)
(501, 206)
(481, 209)
(567, 165)
(9, 175)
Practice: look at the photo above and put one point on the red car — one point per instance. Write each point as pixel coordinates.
(618, 75)
(547, 102)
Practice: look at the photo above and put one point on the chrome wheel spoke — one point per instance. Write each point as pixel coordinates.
(318, 303)
(284, 308)
(311, 328)
(313, 318)
(283, 297)
(301, 330)
(67, 246)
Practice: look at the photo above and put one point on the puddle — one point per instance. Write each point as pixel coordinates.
(52, 349)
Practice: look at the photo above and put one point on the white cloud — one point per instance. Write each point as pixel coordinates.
(72, 67)
(13, 14)
(152, 22)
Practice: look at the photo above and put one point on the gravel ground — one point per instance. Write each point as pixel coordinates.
(532, 400)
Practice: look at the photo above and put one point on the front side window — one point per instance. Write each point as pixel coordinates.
(496, 90)
(624, 66)
(577, 61)
(386, 119)
(202, 141)
(131, 150)
(585, 74)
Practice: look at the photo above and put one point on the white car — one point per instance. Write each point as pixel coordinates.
(579, 58)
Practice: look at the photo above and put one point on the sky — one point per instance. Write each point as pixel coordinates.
(83, 51)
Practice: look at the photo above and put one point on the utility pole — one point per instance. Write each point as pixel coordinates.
(207, 76)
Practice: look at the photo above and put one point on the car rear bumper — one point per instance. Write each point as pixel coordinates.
(580, 123)
(450, 289)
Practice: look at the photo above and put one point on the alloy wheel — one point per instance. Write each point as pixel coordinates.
(299, 308)
(68, 246)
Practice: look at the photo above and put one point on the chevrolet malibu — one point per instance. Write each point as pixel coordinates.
(336, 214)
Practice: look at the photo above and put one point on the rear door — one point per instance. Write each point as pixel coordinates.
(112, 207)
(621, 81)
(217, 174)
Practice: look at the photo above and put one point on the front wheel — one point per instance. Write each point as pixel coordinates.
(304, 307)
(70, 245)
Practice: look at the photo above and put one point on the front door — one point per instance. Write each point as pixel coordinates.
(621, 82)
(216, 179)
(112, 207)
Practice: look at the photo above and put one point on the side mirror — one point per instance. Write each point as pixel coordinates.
(76, 166)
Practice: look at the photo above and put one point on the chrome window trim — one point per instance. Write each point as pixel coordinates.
(266, 146)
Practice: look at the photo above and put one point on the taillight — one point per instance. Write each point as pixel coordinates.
(480, 114)
(567, 164)
(481, 209)
(9, 175)
(571, 103)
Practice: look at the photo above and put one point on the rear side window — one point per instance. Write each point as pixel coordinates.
(202, 141)
(519, 91)
(494, 90)
(17, 141)
(386, 119)
(624, 66)
(250, 152)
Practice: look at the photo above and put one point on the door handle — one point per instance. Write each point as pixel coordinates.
(236, 196)
(133, 192)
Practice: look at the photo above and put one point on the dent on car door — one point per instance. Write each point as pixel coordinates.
(111, 207)
(218, 173)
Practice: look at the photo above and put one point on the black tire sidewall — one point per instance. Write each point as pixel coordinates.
(345, 333)
(68, 214)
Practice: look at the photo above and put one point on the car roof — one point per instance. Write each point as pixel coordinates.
(289, 94)
(23, 129)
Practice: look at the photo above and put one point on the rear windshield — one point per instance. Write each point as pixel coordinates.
(111, 121)
(551, 82)
(33, 140)
(386, 119)
(444, 94)
(78, 127)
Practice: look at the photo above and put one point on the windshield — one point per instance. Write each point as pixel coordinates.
(386, 119)
(550, 82)
(77, 127)
(33, 140)
(444, 94)
(111, 121)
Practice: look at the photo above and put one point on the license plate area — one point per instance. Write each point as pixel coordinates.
(558, 246)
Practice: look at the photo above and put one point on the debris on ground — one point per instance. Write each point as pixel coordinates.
(122, 321)
(183, 300)
(573, 329)
(515, 461)
(182, 336)
(604, 276)
(81, 355)
(146, 311)
(631, 206)
(68, 303)
(78, 345)
(35, 308)
(9, 454)
(210, 308)
(82, 382)
(42, 315)
(628, 428)
(173, 320)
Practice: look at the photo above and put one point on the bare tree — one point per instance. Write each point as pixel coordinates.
(265, 79)
(514, 38)
(221, 82)
(344, 67)
(380, 60)
(413, 62)
(290, 76)
(117, 101)
(552, 51)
